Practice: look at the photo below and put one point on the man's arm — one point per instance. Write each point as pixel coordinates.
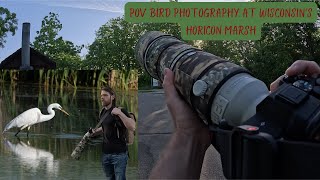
(96, 132)
(127, 121)
(183, 156)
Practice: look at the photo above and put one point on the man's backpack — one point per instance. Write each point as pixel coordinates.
(130, 134)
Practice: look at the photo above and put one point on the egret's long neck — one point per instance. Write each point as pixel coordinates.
(49, 116)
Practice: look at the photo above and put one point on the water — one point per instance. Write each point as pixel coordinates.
(46, 153)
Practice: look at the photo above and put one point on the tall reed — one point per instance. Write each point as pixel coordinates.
(61, 79)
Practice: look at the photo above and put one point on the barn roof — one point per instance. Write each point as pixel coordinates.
(37, 61)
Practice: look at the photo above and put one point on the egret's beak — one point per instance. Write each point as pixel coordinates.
(64, 111)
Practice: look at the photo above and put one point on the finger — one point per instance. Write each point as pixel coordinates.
(168, 84)
(303, 67)
(171, 95)
(275, 84)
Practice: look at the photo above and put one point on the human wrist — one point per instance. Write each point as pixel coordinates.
(185, 152)
(201, 132)
(199, 136)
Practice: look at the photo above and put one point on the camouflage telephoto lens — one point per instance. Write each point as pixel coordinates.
(210, 84)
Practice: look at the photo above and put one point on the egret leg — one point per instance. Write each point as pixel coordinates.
(17, 133)
(21, 129)
(18, 139)
(28, 131)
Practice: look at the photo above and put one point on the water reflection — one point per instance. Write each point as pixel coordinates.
(32, 158)
(60, 135)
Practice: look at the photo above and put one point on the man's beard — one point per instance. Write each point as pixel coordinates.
(104, 103)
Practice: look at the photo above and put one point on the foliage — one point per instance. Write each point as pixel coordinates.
(68, 61)
(169, 28)
(8, 24)
(115, 42)
(234, 51)
(47, 41)
(280, 45)
(68, 78)
(113, 47)
(144, 80)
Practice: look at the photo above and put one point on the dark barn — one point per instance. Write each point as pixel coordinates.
(27, 58)
(37, 61)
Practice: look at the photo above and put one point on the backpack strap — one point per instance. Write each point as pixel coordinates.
(133, 116)
(102, 118)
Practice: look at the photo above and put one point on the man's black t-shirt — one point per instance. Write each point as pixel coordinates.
(114, 133)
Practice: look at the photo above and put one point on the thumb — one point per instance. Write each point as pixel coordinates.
(275, 84)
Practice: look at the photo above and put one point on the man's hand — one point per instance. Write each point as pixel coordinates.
(127, 121)
(184, 118)
(309, 68)
(116, 111)
(95, 132)
(91, 130)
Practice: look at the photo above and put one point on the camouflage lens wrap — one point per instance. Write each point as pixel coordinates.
(172, 55)
(143, 44)
(154, 52)
(76, 154)
(148, 48)
(214, 71)
(189, 65)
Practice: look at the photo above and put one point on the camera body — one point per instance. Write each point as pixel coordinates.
(258, 134)
(280, 140)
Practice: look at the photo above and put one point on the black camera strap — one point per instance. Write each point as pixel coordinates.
(103, 117)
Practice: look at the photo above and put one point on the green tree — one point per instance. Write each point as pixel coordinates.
(47, 41)
(281, 45)
(113, 47)
(235, 51)
(8, 24)
(169, 28)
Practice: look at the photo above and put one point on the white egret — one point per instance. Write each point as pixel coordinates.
(31, 117)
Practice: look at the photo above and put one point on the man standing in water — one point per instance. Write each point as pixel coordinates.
(114, 128)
